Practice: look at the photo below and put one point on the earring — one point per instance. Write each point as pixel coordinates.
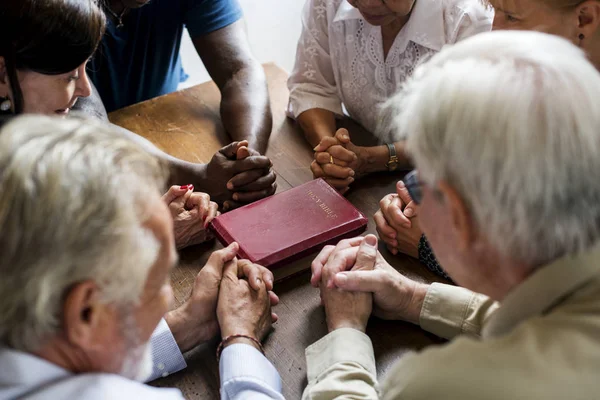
(581, 36)
(5, 105)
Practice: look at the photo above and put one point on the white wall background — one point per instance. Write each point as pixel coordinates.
(273, 31)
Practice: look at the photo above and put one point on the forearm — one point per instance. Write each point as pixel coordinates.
(341, 366)
(448, 311)
(316, 124)
(180, 172)
(245, 107)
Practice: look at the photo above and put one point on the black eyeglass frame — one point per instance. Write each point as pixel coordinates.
(413, 185)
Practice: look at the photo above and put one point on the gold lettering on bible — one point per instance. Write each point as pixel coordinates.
(328, 211)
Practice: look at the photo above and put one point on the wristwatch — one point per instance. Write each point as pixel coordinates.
(392, 164)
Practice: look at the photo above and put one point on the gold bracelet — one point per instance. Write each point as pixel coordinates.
(230, 338)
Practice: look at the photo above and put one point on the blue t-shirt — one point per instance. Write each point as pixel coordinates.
(140, 60)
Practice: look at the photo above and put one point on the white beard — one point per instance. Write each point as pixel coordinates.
(137, 363)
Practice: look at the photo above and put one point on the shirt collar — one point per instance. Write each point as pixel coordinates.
(425, 26)
(544, 290)
(21, 371)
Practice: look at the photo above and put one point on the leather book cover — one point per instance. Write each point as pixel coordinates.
(290, 225)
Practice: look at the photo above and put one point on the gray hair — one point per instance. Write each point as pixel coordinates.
(512, 121)
(73, 203)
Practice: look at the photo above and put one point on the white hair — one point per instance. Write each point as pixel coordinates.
(512, 121)
(72, 208)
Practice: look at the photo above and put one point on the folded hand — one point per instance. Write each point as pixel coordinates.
(192, 212)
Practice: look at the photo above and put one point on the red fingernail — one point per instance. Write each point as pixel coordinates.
(204, 218)
(190, 187)
(184, 187)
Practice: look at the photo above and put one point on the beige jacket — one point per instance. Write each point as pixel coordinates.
(543, 342)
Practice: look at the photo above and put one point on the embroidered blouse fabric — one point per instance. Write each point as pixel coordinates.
(340, 58)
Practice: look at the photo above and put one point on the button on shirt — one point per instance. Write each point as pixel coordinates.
(141, 60)
(340, 61)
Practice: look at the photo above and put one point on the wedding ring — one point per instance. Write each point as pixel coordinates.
(331, 160)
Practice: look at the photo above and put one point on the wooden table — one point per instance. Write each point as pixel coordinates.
(186, 124)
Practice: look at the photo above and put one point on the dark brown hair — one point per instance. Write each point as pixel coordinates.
(50, 37)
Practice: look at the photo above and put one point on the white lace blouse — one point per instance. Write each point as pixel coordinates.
(340, 56)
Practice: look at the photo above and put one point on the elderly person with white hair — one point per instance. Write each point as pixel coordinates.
(507, 163)
(85, 264)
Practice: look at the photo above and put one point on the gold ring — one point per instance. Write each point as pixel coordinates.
(331, 160)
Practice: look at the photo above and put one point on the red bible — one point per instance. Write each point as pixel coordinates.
(290, 225)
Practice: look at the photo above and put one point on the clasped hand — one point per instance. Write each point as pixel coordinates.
(191, 212)
(397, 222)
(229, 295)
(338, 161)
(355, 279)
(238, 175)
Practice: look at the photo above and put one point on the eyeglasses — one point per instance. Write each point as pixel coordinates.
(413, 185)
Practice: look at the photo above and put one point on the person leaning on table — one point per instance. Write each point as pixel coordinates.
(507, 181)
(86, 250)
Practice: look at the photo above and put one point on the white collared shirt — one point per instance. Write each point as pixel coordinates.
(245, 373)
(340, 56)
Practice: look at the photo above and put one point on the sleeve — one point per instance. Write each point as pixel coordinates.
(427, 258)
(449, 311)
(202, 17)
(477, 18)
(341, 366)
(166, 356)
(247, 374)
(312, 82)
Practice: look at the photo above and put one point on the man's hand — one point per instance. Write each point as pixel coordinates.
(395, 297)
(239, 175)
(191, 212)
(346, 309)
(195, 321)
(397, 222)
(243, 309)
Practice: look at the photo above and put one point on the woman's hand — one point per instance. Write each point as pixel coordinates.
(338, 161)
(244, 307)
(192, 212)
(397, 222)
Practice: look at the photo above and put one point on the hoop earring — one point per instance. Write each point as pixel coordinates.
(5, 105)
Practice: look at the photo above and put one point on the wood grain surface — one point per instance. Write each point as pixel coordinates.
(186, 124)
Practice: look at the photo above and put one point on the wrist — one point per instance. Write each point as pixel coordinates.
(352, 324)
(184, 328)
(374, 159)
(415, 305)
(242, 340)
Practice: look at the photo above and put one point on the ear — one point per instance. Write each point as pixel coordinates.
(588, 14)
(84, 316)
(460, 216)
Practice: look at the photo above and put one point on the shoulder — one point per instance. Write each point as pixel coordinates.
(474, 10)
(323, 8)
(466, 367)
(107, 386)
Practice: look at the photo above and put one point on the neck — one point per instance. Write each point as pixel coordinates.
(60, 353)
(116, 6)
(391, 30)
(494, 274)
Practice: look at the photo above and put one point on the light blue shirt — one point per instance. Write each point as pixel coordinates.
(245, 374)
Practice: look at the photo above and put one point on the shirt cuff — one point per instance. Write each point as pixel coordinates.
(166, 356)
(445, 310)
(300, 102)
(245, 369)
(341, 345)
